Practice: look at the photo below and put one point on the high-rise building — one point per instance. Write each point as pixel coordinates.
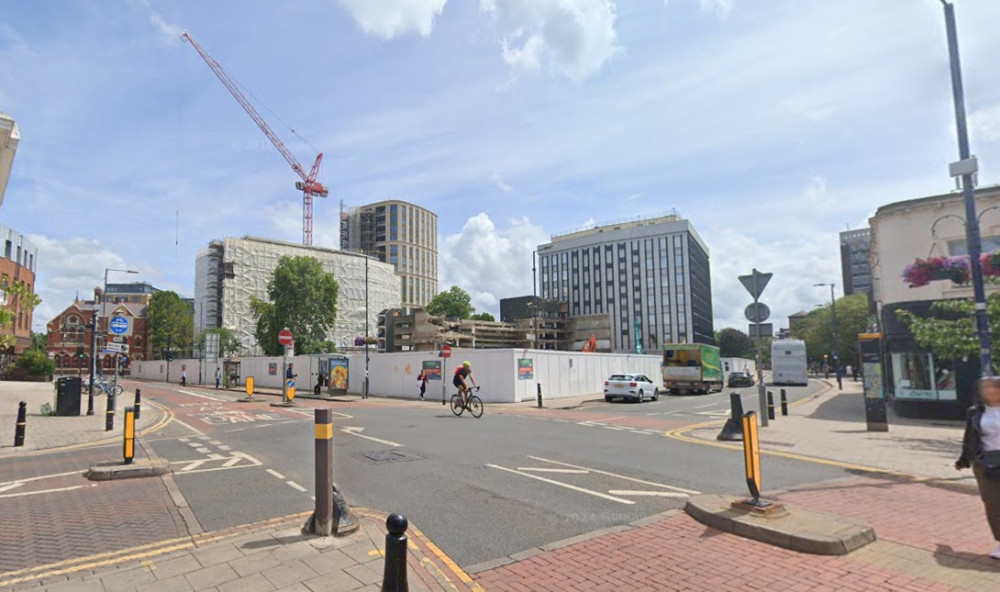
(133, 292)
(854, 265)
(651, 275)
(9, 138)
(232, 270)
(399, 233)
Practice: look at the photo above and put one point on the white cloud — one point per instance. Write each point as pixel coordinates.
(574, 38)
(720, 7)
(985, 124)
(500, 183)
(490, 264)
(169, 34)
(388, 18)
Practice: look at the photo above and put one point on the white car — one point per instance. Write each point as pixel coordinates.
(635, 387)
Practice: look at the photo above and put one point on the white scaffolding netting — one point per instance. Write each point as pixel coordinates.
(232, 270)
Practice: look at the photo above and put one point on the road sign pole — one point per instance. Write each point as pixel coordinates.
(761, 391)
(284, 377)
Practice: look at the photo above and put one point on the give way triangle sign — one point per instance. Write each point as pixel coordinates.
(755, 282)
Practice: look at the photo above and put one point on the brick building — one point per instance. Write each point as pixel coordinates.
(18, 257)
(69, 335)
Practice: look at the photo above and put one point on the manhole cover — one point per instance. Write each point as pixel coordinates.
(388, 456)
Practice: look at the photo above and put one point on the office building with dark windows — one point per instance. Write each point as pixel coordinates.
(650, 275)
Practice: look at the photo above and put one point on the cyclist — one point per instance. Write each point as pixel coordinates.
(462, 373)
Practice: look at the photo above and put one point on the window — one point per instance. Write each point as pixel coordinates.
(919, 376)
(958, 247)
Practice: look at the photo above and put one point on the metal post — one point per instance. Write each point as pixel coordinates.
(972, 237)
(323, 524)
(770, 405)
(21, 425)
(836, 343)
(761, 401)
(394, 574)
(109, 413)
(539, 395)
(128, 446)
(93, 360)
(366, 326)
(534, 302)
(284, 376)
(784, 402)
(138, 402)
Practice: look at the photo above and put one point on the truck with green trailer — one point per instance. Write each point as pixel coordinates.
(691, 368)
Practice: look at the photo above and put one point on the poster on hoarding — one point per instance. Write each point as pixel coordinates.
(525, 369)
(432, 369)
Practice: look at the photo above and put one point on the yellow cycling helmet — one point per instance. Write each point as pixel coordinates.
(467, 364)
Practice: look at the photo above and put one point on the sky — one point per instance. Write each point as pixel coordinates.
(771, 126)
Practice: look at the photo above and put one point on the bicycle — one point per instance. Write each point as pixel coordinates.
(475, 405)
(109, 389)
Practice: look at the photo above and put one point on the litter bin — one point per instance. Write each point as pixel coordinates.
(68, 395)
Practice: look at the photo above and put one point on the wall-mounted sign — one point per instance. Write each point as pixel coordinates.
(272, 368)
(525, 369)
(432, 369)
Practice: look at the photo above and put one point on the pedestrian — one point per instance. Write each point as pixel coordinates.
(184, 377)
(981, 452)
(854, 373)
(289, 373)
(422, 379)
(218, 377)
(319, 384)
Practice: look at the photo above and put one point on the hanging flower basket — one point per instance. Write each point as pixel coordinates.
(923, 271)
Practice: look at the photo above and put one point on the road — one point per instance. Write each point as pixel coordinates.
(517, 478)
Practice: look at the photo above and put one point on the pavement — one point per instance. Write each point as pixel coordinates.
(931, 534)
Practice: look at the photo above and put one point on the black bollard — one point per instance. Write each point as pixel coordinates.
(138, 402)
(770, 405)
(19, 427)
(733, 430)
(539, 395)
(109, 414)
(784, 402)
(394, 575)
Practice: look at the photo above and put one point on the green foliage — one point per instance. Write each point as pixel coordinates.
(36, 363)
(483, 316)
(852, 319)
(453, 303)
(303, 298)
(950, 329)
(734, 343)
(39, 341)
(229, 344)
(171, 322)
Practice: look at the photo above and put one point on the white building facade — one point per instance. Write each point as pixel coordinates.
(651, 276)
(232, 270)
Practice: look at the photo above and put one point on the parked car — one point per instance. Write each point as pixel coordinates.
(635, 387)
(740, 378)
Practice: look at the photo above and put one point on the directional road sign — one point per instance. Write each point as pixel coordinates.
(121, 348)
(119, 325)
(755, 282)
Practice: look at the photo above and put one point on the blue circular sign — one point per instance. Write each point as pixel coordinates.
(118, 325)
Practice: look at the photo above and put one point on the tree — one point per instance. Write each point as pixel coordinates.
(171, 322)
(483, 316)
(455, 303)
(734, 343)
(39, 341)
(949, 330)
(35, 363)
(852, 319)
(229, 344)
(303, 298)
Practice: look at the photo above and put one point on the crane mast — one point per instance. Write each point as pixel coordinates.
(308, 185)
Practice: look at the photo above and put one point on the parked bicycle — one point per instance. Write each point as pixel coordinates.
(474, 405)
(109, 389)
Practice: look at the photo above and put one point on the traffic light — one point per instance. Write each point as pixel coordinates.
(79, 352)
(169, 355)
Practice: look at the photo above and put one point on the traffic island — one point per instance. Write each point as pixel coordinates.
(147, 467)
(798, 529)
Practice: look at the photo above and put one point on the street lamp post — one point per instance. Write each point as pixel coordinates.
(833, 327)
(534, 301)
(366, 326)
(966, 167)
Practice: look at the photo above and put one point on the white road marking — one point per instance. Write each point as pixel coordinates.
(24, 493)
(295, 485)
(633, 479)
(39, 478)
(566, 485)
(202, 450)
(231, 461)
(185, 440)
(9, 486)
(646, 493)
(197, 431)
(193, 466)
(354, 431)
(712, 404)
(613, 428)
(545, 470)
(224, 447)
(214, 442)
(275, 474)
(194, 444)
(719, 413)
(199, 395)
(204, 437)
(214, 456)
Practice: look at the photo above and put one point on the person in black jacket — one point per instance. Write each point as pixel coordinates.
(982, 433)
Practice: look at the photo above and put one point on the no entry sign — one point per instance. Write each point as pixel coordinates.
(285, 337)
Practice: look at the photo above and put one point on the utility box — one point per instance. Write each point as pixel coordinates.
(68, 393)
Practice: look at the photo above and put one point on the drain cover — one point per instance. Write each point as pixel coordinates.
(388, 456)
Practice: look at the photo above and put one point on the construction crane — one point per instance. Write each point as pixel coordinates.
(308, 185)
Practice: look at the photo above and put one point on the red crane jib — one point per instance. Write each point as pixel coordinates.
(309, 186)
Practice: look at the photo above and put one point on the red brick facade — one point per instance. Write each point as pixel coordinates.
(10, 274)
(70, 331)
